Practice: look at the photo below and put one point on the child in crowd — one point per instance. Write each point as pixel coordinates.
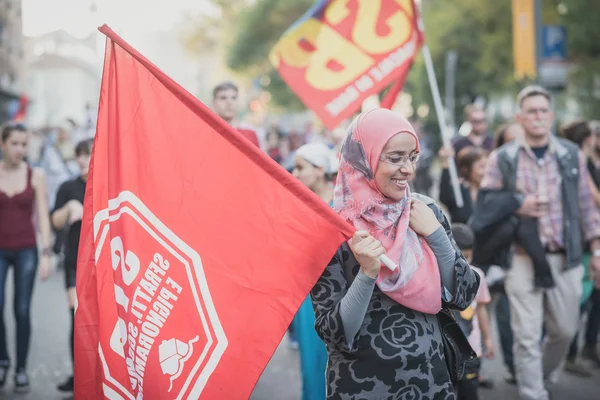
(474, 320)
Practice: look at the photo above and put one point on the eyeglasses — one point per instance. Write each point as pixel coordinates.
(400, 161)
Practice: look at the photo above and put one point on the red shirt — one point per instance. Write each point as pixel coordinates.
(250, 135)
(16, 218)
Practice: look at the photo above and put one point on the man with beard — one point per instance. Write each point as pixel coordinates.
(67, 214)
(478, 137)
(549, 178)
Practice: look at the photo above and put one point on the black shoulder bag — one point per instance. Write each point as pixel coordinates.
(457, 349)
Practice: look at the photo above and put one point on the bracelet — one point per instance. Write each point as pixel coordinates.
(596, 253)
(46, 252)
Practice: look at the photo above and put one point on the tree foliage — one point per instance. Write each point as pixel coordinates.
(207, 32)
(485, 58)
(258, 28)
(582, 19)
(479, 31)
(481, 34)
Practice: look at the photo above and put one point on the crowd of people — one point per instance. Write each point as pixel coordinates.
(524, 248)
(531, 199)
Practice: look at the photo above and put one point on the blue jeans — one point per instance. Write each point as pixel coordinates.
(25, 263)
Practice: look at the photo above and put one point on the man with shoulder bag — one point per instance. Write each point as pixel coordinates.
(551, 182)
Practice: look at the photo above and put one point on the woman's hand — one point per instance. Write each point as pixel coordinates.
(44, 267)
(422, 219)
(367, 250)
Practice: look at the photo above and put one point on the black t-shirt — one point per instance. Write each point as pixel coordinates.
(540, 152)
(71, 190)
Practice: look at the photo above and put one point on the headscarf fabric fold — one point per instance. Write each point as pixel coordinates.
(416, 282)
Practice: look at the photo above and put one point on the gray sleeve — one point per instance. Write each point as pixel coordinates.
(353, 306)
(446, 257)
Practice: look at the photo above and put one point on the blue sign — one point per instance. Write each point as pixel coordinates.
(554, 43)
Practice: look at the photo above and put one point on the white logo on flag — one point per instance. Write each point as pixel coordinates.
(158, 289)
(172, 355)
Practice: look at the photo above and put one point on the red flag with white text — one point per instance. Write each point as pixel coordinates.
(196, 248)
(341, 52)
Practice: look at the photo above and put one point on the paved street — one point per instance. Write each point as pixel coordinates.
(49, 358)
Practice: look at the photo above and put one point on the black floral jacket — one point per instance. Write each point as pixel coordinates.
(397, 352)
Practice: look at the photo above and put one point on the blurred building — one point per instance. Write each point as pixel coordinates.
(63, 80)
(11, 58)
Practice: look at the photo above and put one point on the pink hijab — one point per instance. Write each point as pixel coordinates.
(416, 283)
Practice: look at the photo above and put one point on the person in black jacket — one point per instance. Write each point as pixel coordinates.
(470, 164)
(67, 213)
(550, 176)
(500, 207)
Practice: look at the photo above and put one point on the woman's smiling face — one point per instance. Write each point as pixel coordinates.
(395, 169)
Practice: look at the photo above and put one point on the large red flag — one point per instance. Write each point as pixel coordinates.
(196, 249)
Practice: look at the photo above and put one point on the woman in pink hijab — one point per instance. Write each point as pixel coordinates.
(380, 326)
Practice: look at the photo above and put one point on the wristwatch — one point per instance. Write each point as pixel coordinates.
(596, 253)
(46, 252)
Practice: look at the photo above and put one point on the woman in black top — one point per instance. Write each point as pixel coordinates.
(470, 164)
(68, 210)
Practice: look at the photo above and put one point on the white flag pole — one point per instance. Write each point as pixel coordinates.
(439, 110)
(385, 260)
